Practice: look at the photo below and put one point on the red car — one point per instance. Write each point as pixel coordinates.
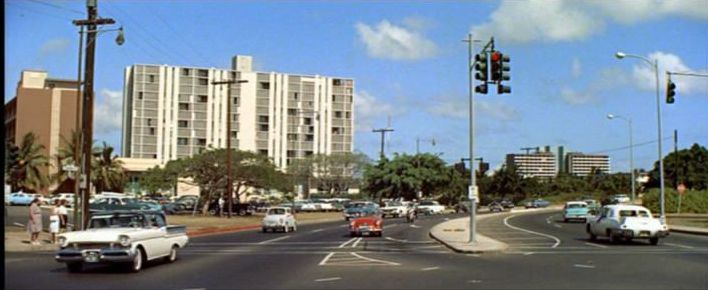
(366, 225)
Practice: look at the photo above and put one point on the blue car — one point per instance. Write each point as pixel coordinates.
(537, 203)
(576, 210)
(19, 198)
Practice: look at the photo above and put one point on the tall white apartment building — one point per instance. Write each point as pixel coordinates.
(171, 112)
(539, 164)
(582, 164)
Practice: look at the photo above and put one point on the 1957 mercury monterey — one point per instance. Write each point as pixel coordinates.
(128, 238)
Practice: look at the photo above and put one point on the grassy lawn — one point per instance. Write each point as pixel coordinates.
(198, 221)
(689, 222)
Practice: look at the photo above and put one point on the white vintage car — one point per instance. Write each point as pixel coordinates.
(430, 207)
(125, 237)
(279, 218)
(394, 209)
(626, 222)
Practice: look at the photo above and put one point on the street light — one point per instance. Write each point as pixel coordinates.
(631, 149)
(655, 66)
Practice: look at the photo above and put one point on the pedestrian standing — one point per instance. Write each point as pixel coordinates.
(221, 205)
(54, 221)
(34, 225)
(63, 215)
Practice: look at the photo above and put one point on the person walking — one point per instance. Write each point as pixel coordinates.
(54, 221)
(63, 215)
(221, 205)
(34, 225)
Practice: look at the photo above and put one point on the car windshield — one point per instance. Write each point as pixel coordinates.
(577, 205)
(427, 203)
(276, 211)
(117, 221)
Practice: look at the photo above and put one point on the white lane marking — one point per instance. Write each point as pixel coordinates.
(506, 222)
(524, 238)
(375, 260)
(343, 226)
(430, 268)
(584, 266)
(528, 253)
(317, 230)
(395, 240)
(678, 245)
(548, 220)
(326, 258)
(596, 245)
(347, 242)
(273, 240)
(557, 225)
(356, 242)
(427, 247)
(474, 281)
(415, 227)
(327, 279)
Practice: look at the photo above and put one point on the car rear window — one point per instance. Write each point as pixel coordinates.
(633, 213)
(577, 205)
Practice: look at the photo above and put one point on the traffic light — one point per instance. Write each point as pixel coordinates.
(670, 92)
(500, 71)
(481, 67)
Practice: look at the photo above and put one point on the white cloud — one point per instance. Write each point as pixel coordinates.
(389, 41)
(54, 46)
(576, 68)
(369, 110)
(538, 20)
(108, 115)
(556, 20)
(644, 76)
(459, 109)
(573, 97)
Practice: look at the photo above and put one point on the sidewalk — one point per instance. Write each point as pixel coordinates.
(688, 230)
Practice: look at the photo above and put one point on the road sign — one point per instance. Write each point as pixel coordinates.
(82, 181)
(681, 188)
(473, 193)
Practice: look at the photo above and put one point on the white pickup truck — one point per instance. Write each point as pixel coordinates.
(124, 237)
(626, 222)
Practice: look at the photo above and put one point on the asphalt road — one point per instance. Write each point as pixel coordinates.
(544, 253)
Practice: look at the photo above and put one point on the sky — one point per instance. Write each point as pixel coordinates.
(409, 64)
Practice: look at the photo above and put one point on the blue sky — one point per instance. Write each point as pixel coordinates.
(409, 64)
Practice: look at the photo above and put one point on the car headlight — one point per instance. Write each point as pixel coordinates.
(124, 241)
(62, 241)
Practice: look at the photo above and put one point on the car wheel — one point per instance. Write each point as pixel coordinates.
(74, 267)
(137, 264)
(352, 234)
(565, 220)
(173, 255)
(654, 241)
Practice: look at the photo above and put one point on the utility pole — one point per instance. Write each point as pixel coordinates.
(78, 135)
(229, 104)
(383, 133)
(676, 164)
(87, 109)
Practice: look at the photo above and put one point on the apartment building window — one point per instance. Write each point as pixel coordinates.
(203, 98)
(337, 114)
(182, 124)
(263, 119)
(203, 73)
(337, 82)
(235, 101)
(308, 121)
(201, 142)
(264, 85)
(309, 137)
(308, 153)
(263, 128)
(182, 141)
(292, 112)
(292, 137)
(234, 134)
(335, 130)
(291, 153)
(185, 72)
(183, 106)
(263, 151)
(295, 96)
(151, 78)
(203, 82)
(140, 95)
(152, 131)
(234, 117)
(349, 115)
(149, 122)
(334, 98)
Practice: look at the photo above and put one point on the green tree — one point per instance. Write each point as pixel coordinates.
(405, 175)
(165, 178)
(687, 166)
(107, 172)
(30, 174)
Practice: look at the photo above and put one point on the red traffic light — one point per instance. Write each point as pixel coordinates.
(496, 56)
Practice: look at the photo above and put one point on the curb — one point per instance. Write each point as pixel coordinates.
(685, 230)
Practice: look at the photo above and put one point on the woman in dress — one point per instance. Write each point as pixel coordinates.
(54, 221)
(34, 225)
(63, 215)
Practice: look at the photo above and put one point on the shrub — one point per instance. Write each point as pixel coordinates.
(692, 201)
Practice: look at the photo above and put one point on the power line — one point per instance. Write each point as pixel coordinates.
(59, 7)
(38, 11)
(627, 147)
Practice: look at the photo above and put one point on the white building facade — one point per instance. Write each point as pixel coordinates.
(172, 112)
(580, 164)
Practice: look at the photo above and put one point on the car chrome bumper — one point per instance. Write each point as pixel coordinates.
(94, 255)
(641, 234)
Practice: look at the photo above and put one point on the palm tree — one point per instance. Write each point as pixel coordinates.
(107, 172)
(67, 155)
(32, 165)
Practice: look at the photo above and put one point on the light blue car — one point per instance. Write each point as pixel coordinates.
(20, 198)
(576, 210)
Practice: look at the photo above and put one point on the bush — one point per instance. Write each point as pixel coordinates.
(693, 201)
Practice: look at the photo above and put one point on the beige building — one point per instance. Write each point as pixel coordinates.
(539, 164)
(171, 112)
(45, 107)
(582, 164)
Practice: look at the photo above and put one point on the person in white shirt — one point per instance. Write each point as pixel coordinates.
(63, 214)
(54, 221)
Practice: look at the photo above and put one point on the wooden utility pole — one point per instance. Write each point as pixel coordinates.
(88, 98)
(229, 104)
(383, 133)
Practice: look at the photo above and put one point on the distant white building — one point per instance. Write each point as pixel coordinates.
(581, 164)
(171, 112)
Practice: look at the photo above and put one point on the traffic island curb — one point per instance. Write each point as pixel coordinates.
(689, 230)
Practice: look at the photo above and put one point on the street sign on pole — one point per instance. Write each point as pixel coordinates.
(473, 192)
(82, 181)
